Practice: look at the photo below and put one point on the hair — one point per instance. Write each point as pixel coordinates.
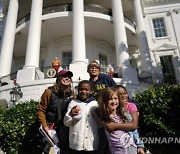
(129, 99)
(86, 82)
(120, 86)
(103, 100)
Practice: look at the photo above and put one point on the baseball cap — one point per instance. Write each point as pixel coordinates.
(65, 73)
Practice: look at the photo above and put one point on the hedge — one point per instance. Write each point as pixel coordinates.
(19, 129)
(159, 118)
(159, 109)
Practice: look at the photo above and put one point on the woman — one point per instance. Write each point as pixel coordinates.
(53, 107)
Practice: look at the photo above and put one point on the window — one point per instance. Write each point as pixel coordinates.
(168, 69)
(103, 63)
(67, 59)
(159, 27)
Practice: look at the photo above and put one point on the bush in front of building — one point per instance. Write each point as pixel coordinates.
(159, 118)
(19, 128)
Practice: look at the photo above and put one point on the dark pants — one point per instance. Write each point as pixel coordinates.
(103, 147)
(63, 135)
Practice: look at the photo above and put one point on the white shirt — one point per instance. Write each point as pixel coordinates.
(83, 133)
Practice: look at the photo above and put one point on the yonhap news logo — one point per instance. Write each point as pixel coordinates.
(160, 140)
(126, 140)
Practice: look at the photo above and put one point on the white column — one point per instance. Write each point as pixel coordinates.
(142, 39)
(79, 62)
(8, 38)
(128, 74)
(34, 35)
(120, 34)
(31, 69)
(79, 49)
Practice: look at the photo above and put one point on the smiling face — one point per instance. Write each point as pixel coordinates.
(123, 95)
(65, 80)
(113, 102)
(84, 90)
(93, 69)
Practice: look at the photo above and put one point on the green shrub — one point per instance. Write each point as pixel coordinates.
(160, 114)
(19, 128)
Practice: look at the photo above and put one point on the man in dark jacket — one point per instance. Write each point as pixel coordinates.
(99, 80)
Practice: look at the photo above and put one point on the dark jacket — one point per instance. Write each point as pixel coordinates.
(57, 101)
(102, 82)
(48, 113)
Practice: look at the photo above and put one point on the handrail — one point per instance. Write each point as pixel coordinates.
(149, 77)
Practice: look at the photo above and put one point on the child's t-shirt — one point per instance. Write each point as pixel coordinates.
(130, 107)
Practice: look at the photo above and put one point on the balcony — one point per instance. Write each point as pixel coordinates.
(68, 7)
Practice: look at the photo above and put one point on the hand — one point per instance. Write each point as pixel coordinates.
(95, 114)
(140, 150)
(46, 129)
(75, 111)
(110, 126)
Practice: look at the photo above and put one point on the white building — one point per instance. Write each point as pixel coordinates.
(139, 38)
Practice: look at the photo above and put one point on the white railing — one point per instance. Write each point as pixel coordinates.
(68, 7)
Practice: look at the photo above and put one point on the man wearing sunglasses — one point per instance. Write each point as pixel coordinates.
(100, 81)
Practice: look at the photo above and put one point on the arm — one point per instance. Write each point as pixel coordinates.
(97, 116)
(71, 112)
(45, 100)
(137, 139)
(112, 126)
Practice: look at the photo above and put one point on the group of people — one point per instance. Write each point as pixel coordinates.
(99, 119)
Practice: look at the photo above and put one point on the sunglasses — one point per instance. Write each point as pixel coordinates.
(94, 65)
(64, 76)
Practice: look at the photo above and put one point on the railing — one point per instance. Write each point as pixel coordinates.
(97, 8)
(44, 69)
(57, 8)
(103, 69)
(23, 20)
(47, 10)
(107, 11)
(68, 7)
(149, 77)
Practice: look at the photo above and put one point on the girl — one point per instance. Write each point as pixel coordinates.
(112, 113)
(129, 108)
(83, 135)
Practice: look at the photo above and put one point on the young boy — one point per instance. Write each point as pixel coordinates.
(83, 134)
